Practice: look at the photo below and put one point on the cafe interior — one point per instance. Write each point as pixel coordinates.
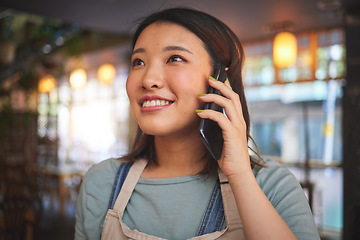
(64, 107)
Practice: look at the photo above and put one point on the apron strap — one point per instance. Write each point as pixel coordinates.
(233, 219)
(119, 181)
(129, 183)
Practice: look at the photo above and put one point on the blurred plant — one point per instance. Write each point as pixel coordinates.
(6, 27)
(44, 31)
(7, 46)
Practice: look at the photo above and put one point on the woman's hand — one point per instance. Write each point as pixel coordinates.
(255, 210)
(235, 156)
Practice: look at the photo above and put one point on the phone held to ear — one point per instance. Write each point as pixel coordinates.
(210, 132)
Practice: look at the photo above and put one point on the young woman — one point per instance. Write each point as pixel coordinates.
(174, 188)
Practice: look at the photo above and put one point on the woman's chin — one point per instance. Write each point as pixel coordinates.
(153, 130)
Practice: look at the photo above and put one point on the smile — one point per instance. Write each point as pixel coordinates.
(155, 103)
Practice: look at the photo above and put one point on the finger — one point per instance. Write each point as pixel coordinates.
(226, 103)
(227, 83)
(227, 127)
(226, 91)
(218, 117)
(223, 87)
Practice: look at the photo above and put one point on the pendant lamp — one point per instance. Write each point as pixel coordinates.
(78, 78)
(106, 73)
(284, 50)
(46, 84)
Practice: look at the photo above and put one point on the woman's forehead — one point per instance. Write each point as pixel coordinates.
(168, 31)
(168, 34)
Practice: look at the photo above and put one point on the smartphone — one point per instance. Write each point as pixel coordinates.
(210, 132)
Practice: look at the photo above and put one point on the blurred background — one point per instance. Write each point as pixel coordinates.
(63, 104)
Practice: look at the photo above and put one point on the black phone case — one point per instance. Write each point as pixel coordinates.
(210, 132)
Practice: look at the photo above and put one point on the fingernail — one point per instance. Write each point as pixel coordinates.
(227, 80)
(199, 111)
(212, 78)
(202, 94)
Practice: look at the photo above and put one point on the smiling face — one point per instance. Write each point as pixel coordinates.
(170, 67)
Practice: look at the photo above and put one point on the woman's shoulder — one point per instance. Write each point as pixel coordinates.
(278, 183)
(275, 176)
(101, 174)
(97, 185)
(285, 193)
(109, 166)
(271, 168)
(93, 199)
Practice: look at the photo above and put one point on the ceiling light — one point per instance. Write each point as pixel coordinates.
(78, 78)
(46, 84)
(284, 50)
(106, 73)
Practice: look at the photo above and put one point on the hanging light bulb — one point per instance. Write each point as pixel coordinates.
(78, 78)
(106, 73)
(285, 49)
(46, 84)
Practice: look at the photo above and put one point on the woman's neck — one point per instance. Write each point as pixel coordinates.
(177, 156)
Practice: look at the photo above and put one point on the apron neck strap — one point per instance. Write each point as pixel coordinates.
(230, 208)
(129, 184)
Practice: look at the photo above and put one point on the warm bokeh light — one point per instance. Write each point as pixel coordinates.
(78, 78)
(46, 84)
(106, 73)
(285, 49)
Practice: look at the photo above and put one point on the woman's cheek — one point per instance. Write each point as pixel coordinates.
(130, 87)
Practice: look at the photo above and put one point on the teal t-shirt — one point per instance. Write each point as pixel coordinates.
(159, 206)
(278, 184)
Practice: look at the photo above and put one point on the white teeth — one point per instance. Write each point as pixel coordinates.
(155, 103)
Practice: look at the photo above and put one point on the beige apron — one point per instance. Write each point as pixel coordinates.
(115, 228)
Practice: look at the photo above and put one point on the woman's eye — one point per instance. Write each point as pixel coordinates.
(176, 58)
(137, 62)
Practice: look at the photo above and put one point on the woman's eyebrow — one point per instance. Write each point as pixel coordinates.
(178, 48)
(168, 48)
(138, 50)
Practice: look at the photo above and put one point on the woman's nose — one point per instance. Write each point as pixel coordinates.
(153, 78)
